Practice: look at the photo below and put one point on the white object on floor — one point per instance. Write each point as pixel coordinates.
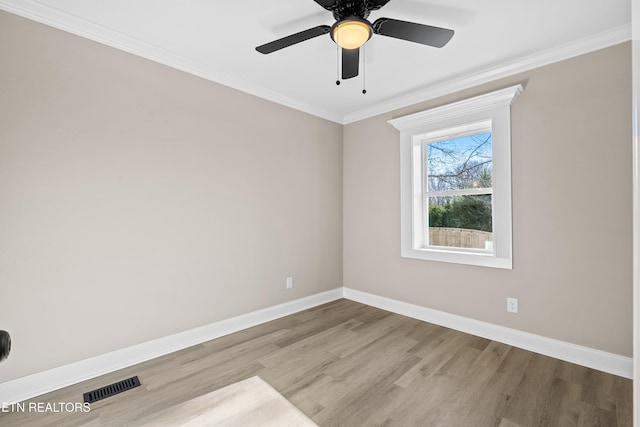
(251, 402)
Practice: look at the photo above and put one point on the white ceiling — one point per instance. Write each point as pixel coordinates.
(216, 40)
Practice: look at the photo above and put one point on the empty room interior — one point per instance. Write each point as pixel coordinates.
(225, 214)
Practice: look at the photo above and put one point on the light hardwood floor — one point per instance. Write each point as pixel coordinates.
(348, 364)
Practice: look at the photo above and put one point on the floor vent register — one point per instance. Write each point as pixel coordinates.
(111, 390)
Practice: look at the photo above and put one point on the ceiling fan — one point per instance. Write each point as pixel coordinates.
(352, 30)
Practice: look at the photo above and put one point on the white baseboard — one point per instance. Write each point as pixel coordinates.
(585, 356)
(44, 382)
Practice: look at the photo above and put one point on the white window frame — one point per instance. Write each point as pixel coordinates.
(414, 130)
(421, 169)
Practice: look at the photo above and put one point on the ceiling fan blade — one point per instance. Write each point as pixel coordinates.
(410, 31)
(293, 39)
(328, 4)
(350, 63)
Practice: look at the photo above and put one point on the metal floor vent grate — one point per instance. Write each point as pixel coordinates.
(110, 390)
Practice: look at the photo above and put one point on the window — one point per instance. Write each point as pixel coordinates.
(455, 165)
(456, 169)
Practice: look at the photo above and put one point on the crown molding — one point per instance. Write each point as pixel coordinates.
(56, 18)
(497, 71)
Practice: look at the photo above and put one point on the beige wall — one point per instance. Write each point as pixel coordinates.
(137, 201)
(571, 177)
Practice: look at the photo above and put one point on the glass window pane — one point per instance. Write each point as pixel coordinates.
(461, 221)
(460, 163)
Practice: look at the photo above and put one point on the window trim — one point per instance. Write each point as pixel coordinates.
(494, 106)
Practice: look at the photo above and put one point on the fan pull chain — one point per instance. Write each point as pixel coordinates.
(364, 82)
(337, 65)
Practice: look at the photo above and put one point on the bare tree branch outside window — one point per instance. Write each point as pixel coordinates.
(460, 164)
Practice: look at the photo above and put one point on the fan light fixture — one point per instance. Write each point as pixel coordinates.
(351, 30)
(351, 33)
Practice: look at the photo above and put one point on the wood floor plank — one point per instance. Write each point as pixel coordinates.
(434, 358)
(346, 364)
(527, 405)
(487, 409)
(623, 397)
(597, 390)
(508, 423)
(508, 376)
(493, 355)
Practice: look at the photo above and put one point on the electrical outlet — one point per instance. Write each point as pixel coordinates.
(512, 305)
(289, 282)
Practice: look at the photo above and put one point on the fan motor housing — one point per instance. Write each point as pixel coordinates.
(343, 8)
(5, 345)
(350, 8)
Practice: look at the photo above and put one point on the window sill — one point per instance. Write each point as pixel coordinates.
(477, 259)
